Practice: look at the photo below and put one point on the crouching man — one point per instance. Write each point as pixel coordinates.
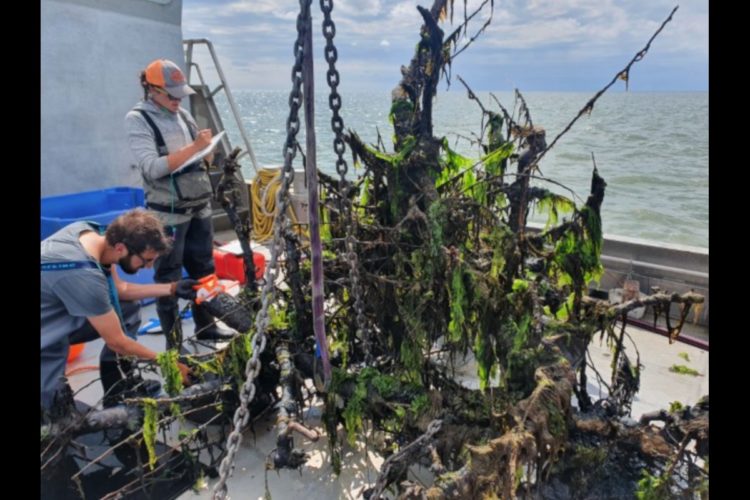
(82, 299)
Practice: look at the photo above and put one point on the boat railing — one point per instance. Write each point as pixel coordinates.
(670, 267)
(209, 94)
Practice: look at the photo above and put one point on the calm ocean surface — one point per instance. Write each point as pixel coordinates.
(651, 148)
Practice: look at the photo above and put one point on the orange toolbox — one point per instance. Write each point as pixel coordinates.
(232, 267)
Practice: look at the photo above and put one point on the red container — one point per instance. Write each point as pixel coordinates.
(232, 267)
(74, 351)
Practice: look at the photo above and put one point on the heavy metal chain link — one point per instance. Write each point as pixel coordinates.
(405, 453)
(252, 368)
(332, 76)
(337, 125)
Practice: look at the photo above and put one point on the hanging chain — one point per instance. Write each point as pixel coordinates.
(337, 125)
(332, 76)
(252, 368)
(406, 453)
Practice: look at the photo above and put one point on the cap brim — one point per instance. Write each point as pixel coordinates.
(180, 91)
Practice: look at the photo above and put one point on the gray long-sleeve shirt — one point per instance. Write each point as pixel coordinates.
(172, 127)
(176, 134)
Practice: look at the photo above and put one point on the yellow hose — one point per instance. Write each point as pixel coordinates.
(264, 189)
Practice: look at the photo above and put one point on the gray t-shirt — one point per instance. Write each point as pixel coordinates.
(68, 297)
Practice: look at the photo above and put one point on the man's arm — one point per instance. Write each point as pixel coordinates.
(137, 291)
(109, 329)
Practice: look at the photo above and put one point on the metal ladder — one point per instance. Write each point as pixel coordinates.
(204, 110)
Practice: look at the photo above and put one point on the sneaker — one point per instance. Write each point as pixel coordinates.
(215, 333)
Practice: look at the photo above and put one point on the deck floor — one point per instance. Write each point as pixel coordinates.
(316, 481)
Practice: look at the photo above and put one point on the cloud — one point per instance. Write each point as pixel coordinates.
(251, 7)
(357, 8)
(258, 35)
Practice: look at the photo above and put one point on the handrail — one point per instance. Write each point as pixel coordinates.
(232, 105)
(212, 111)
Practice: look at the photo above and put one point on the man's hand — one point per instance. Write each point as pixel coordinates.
(184, 289)
(185, 372)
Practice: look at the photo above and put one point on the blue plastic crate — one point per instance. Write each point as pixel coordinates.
(102, 206)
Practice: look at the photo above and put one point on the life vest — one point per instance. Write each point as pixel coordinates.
(186, 191)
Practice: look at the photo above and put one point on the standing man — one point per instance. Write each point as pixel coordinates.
(163, 136)
(81, 293)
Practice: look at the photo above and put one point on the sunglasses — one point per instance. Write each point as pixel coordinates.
(133, 253)
(163, 91)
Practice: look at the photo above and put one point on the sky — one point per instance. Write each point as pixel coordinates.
(532, 45)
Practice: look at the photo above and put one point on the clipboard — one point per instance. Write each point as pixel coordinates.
(202, 153)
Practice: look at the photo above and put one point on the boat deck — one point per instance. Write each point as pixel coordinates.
(316, 481)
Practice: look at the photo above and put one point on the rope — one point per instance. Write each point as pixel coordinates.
(267, 182)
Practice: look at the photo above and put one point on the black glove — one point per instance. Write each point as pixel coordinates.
(184, 289)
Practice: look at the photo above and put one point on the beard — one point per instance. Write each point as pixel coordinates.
(125, 265)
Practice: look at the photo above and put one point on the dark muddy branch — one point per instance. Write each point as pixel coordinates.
(626, 72)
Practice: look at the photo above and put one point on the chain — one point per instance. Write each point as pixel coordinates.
(415, 446)
(334, 99)
(337, 125)
(252, 368)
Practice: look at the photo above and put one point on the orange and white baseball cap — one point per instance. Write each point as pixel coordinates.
(167, 75)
